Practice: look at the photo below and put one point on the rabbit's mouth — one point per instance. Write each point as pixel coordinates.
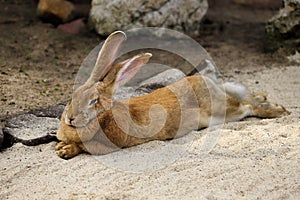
(68, 120)
(80, 121)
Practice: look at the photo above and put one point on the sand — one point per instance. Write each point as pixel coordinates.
(251, 159)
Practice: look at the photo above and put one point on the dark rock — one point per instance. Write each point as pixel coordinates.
(8, 139)
(51, 111)
(29, 126)
(51, 137)
(29, 130)
(32, 128)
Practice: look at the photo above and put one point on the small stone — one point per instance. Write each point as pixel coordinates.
(12, 103)
(73, 27)
(284, 135)
(55, 11)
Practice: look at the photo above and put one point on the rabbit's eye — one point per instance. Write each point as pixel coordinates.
(93, 102)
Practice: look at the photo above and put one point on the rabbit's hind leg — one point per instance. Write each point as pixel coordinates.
(236, 90)
(235, 110)
(261, 107)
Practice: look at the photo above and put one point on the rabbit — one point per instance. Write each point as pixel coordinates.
(93, 123)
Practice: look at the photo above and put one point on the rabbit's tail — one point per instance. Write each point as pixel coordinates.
(236, 90)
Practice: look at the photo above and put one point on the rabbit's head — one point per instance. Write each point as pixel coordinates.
(94, 96)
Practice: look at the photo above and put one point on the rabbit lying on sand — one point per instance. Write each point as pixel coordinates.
(93, 123)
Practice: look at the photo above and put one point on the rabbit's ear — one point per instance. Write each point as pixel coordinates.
(107, 56)
(129, 68)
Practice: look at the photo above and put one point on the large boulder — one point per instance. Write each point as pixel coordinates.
(107, 16)
(283, 30)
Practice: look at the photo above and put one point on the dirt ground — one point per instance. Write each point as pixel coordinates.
(253, 159)
(38, 62)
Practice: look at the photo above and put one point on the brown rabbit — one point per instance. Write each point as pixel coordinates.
(93, 123)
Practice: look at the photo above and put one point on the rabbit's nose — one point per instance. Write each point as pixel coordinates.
(71, 120)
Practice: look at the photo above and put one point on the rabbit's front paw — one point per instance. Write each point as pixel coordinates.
(60, 145)
(68, 150)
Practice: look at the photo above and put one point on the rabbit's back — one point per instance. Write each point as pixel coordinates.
(163, 114)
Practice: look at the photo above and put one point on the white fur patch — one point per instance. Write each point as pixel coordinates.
(236, 89)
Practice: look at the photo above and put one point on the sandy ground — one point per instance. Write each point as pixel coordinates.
(251, 159)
